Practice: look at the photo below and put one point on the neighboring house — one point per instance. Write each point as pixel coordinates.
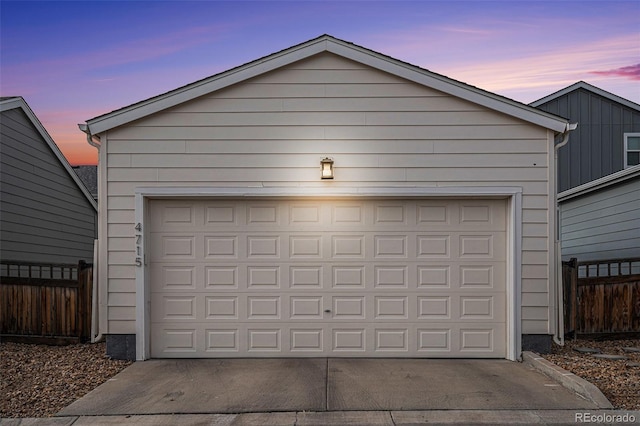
(219, 238)
(89, 177)
(598, 173)
(607, 139)
(46, 213)
(600, 220)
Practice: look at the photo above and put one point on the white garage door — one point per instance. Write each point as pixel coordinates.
(339, 278)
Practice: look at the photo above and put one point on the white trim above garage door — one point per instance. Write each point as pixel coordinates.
(381, 274)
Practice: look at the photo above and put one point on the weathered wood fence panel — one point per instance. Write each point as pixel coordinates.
(47, 301)
(602, 296)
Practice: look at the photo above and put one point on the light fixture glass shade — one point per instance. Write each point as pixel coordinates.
(326, 167)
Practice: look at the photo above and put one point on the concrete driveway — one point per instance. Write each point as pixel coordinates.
(321, 384)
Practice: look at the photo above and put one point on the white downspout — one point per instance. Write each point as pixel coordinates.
(96, 334)
(558, 337)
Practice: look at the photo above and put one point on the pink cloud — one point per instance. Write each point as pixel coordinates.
(532, 76)
(632, 72)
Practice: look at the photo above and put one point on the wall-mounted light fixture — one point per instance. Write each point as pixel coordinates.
(326, 167)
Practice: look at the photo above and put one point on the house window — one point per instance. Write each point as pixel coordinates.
(631, 149)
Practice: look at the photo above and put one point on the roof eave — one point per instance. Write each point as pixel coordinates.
(342, 48)
(601, 183)
(589, 87)
(219, 81)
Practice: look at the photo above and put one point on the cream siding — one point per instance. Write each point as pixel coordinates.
(381, 130)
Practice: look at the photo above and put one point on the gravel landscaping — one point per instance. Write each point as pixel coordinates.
(617, 379)
(40, 380)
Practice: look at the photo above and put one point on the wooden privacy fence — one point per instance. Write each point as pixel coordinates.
(601, 296)
(46, 302)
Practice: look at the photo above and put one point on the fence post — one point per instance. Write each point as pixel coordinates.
(85, 280)
(574, 295)
(80, 300)
(570, 292)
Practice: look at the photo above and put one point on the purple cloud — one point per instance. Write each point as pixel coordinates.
(631, 72)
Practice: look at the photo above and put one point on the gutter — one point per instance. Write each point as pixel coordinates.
(85, 129)
(558, 337)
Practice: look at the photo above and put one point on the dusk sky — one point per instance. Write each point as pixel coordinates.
(74, 60)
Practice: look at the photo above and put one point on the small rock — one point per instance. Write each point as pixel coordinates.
(608, 356)
(584, 350)
(629, 350)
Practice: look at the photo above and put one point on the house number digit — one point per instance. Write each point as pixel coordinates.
(138, 235)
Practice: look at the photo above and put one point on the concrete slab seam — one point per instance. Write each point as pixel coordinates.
(567, 379)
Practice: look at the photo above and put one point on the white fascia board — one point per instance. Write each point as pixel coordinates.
(19, 102)
(338, 47)
(603, 182)
(449, 86)
(204, 87)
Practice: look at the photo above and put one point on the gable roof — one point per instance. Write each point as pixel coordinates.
(588, 87)
(8, 103)
(324, 43)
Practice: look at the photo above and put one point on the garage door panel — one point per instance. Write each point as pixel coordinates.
(175, 247)
(178, 277)
(218, 308)
(222, 340)
(348, 277)
(435, 276)
(306, 277)
(391, 276)
(467, 276)
(433, 246)
(348, 246)
(306, 308)
(306, 246)
(222, 247)
(263, 247)
(263, 214)
(306, 214)
(393, 340)
(390, 246)
(347, 214)
(480, 214)
(177, 216)
(223, 277)
(222, 215)
(394, 213)
(235, 278)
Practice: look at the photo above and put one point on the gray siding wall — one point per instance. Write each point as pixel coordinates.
(604, 224)
(44, 216)
(596, 147)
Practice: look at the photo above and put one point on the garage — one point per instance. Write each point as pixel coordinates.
(350, 277)
(327, 200)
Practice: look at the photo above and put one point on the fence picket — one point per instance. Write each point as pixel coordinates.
(50, 301)
(605, 300)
